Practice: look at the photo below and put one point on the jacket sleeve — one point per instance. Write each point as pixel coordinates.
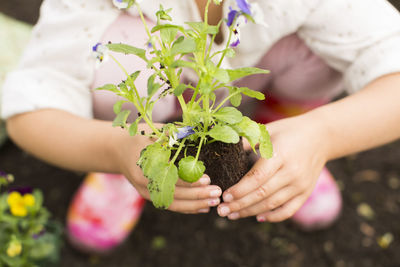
(57, 67)
(360, 38)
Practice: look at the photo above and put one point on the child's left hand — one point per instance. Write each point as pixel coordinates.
(274, 189)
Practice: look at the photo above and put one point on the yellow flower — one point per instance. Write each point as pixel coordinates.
(14, 248)
(29, 200)
(18, 204)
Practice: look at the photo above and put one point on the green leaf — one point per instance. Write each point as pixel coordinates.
(197, 26)
(230, 52)
(123, 88)
(133, 77)
(133, 127)
(251, 93)
(266, 149)
(162, 186)
(37, 194)
(165, 26)
(242, 72)
(205, 88)
(108, 87)
(188, 45)
(180, 89)
(153, 156)
(236, 99)
(249, 129)
(221, 75)
(162, 14)
(168, 35)
(117, 106)
(200, 27)
(152, 86)
(229, 115)
(190, 169)
(212, 29)
(179, 39)
(193, 115)
(224, 134)
(120, 119)
(183, 63)
(128, 49)
(154, 161)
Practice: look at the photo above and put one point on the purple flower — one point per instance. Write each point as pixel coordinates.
(95, 47)
(244, 6)
(38, 235)
(235, 42)
(181, 133)
(22, 190)
(184, 132)
(231, 16)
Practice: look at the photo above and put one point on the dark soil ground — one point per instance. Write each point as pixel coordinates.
(168, 239)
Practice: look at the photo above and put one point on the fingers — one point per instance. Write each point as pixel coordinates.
(258, 175)
(284, 212)
(195, 197)
(260, 198)
(204, 180)
(196, 193)
(271, 203)
(246, 144)
(193, 206)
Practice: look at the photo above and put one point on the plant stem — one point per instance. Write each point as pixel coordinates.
(137, 104)
(226, 47)
(226, 99)
(128, 76)
(206, 12)
(145, 24)
(142, 18)
(171, 75)
(199, 148)
(178, 151)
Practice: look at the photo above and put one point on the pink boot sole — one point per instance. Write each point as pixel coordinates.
(103, 212)
(323, 206)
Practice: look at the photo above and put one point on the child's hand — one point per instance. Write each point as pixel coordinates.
(274, 189)
(195, 197)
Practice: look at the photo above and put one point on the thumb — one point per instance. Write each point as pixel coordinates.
(246, 144)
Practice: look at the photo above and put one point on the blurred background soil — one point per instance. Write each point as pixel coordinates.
(367, 233)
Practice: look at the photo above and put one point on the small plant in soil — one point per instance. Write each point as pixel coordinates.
(28, 237)
(210, 132)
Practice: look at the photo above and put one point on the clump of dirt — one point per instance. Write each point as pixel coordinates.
(225, 163)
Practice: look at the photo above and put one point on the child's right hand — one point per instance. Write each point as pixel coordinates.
(195, 197)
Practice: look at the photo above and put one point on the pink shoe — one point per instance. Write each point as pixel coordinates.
(323, 206)
(103, 212)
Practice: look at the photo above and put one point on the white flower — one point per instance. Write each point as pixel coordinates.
(172, 140)
(121, 4)
(180, 134)
(100, 52)
(240, 21)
